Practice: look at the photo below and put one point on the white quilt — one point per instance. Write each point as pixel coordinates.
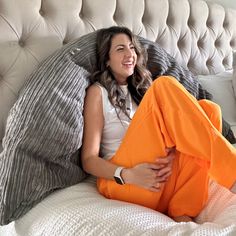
(81, 210)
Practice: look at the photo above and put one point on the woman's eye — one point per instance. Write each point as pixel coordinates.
(119, 49)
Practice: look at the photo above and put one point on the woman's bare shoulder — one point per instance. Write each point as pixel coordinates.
(94, 91)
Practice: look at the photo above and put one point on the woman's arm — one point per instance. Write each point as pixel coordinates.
(146, 175)
(93, 126)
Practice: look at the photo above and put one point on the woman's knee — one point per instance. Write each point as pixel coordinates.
(165, 80)
(168, 83)
(213, 111)
(210, 107)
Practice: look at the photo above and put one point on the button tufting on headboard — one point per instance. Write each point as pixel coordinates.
(232, 43)
(188, 30)
(41, 12)
(21, 43)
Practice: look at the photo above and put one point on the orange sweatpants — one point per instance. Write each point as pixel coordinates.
(169, 116)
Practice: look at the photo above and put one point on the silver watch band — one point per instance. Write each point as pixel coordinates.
(117, 175)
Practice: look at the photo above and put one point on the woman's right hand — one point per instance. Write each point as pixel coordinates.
(150, 176)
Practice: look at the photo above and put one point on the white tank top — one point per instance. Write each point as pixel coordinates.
(114, 128)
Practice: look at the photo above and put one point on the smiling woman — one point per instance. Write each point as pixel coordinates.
(167, 149)
(122, 58)
(187, 38)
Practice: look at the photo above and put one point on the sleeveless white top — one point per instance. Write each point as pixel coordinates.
(114, 128)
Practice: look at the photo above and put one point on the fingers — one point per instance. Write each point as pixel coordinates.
(159, 170)
(161, 174)
(161, 177)
(170, 154)
(163, 161)
(151, 176)
(155, 166)
(164, 171)
(155, 188)
(165, 176)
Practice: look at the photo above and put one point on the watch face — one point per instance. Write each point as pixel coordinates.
(118, 180)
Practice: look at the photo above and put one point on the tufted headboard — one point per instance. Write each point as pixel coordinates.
(199, 35)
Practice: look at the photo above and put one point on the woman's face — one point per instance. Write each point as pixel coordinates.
(122, 58)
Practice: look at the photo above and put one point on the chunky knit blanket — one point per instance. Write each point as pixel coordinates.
(81, 210)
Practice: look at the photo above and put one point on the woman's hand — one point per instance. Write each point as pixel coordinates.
(150, 176)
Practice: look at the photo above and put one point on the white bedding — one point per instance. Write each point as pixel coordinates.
(81, 210)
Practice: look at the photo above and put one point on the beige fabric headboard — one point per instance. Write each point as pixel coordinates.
(198, 34)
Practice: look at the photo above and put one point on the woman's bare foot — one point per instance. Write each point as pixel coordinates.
(233, 188)
(182, 219)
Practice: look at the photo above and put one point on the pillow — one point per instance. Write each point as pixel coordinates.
(234, 86)
(43, 134)
(220, 85)
(234, 72)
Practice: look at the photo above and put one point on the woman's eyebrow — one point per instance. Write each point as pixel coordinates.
(120, 45)
(123, 45)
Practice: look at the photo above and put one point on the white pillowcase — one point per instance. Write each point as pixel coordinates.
(221, 87)
(234, 72)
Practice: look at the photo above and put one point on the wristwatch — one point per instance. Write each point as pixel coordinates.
(117, 175)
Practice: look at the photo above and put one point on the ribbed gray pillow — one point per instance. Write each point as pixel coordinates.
(44, 132)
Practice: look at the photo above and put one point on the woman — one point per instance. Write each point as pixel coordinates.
(169, 123)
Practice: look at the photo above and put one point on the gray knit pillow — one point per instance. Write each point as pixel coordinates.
(43, 134)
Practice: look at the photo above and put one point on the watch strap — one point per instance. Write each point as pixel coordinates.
(117, 175)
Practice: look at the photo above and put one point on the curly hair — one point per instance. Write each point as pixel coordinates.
(138, 83)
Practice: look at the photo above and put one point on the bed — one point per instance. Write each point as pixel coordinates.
(199, 35)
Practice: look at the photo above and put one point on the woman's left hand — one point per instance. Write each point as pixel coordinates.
(166, 164)
(151, 176)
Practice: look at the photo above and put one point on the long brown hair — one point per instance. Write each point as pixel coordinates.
(138, 83)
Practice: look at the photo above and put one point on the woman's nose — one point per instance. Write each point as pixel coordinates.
(129, 52)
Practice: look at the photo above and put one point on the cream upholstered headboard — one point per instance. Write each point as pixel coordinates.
(199, 35)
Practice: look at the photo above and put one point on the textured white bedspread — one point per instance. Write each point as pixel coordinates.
(81, 210)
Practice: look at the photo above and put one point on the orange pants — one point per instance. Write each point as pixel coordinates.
(169, 116)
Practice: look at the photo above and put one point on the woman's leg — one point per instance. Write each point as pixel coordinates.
(192, 132)
(213, 112)
(169, 116)
(186, 192)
